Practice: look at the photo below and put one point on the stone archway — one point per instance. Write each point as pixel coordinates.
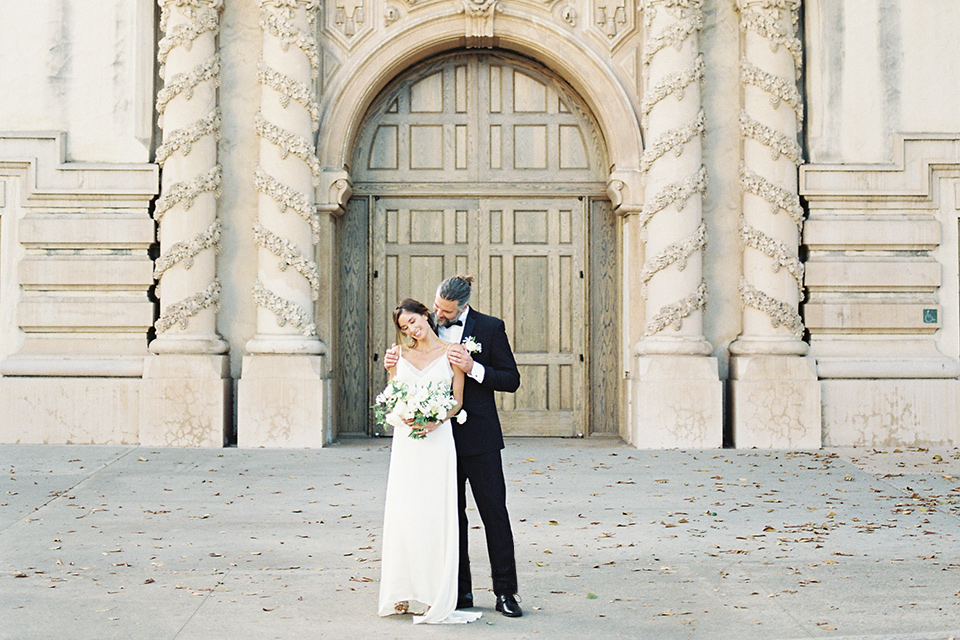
(487, 163)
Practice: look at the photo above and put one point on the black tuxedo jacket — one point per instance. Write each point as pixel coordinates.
(481, 432)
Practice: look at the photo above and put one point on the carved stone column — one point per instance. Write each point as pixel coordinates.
(776, 396)
(679, 401)
(283, 386)
(186, 392)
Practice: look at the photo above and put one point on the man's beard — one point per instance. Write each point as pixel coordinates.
(446, 323)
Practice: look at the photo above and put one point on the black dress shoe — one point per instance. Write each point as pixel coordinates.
(465, 601)
(507, 605)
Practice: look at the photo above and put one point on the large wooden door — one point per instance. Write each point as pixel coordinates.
(531, 272)
(528, 257)
(486, 164)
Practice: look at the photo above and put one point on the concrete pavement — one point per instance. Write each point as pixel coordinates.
(142, 542)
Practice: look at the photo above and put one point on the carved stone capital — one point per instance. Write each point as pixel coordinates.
(625, 190)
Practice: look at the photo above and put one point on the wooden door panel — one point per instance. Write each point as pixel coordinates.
(532, 256)
(416, 244)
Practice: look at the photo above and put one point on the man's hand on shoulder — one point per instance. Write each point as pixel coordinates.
(459, 357)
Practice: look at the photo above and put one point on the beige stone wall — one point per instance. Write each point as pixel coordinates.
(880, 88)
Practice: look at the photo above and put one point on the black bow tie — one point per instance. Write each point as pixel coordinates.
(456, 323)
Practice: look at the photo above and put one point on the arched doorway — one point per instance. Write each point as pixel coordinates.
(486, 163)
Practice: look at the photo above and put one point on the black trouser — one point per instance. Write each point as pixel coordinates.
(485, 473)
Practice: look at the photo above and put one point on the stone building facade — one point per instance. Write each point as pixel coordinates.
(705, 222)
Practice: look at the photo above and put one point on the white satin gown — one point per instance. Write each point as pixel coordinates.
(420, 531)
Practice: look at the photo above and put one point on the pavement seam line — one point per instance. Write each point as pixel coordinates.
(70, 488)
(220, 581)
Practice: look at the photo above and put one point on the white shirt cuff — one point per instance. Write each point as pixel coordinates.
(477, 372)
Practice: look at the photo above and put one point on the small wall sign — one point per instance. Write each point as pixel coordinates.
(930, 316)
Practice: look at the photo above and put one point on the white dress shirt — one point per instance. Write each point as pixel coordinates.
(454, 334)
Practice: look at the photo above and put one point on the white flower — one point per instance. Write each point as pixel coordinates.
(472, 346)
(461, 417)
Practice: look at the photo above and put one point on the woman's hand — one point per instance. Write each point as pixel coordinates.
(424, 428)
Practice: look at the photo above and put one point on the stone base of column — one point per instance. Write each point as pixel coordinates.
(677, 403)
(186, 400)
(775, 402)
(284, 402)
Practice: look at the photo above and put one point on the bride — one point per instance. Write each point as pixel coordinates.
(420, 530)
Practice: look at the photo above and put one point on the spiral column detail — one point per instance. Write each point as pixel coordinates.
(771, 286)
(675, 179)
(288, 225)
(186, 211)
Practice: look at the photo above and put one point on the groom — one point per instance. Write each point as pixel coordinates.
(479, 439)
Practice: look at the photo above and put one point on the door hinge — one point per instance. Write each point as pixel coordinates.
(581, 357)
(376, 273)
(581, 275)
(376, 357)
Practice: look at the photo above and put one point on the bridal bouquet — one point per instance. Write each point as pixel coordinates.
(423, 403)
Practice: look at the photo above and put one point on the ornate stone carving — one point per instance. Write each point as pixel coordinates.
(186, 251)
(780, 313)
(676, 193)
(610, 16)
(390, 15)
(290, 256)
(290, 89)
(677, 252)
(770, 62)
(290, 138)
(191, 27)
(286, 311)
(479, 16)
(348, 15)
(672, 84)
(179, 313)
(675, 129)
(672, 315)
(673, 140)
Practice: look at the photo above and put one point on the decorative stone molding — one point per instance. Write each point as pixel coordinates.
(676, 253)
(185, 252)
(780, 90)
(188, 110)
(479, 16)
(778, 197)
(289, 144)
(781, 254)
(673, 84)
(610, 19)
(186, 83)
(182, 139)
(673, 314)
(781, 313)
(179, 313)
(285, 310)
(675, 129)
(334, 191)
(770, 63)
(290, 256)
(290, 89)
(676, 194)
(286, 149)
(287, 198)
(185, 193)
(673, 140)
